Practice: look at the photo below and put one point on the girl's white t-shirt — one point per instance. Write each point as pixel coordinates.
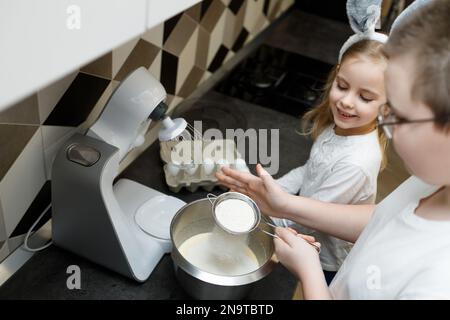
(340, 169)
(399, 255)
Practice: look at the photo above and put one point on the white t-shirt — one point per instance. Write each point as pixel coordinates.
(399, 255)
(339, 170)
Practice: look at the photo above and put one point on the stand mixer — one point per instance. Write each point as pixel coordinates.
(122, 226)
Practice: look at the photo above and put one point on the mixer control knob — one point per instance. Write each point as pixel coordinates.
(83, 155)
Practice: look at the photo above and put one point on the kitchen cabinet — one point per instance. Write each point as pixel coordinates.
(42, 41)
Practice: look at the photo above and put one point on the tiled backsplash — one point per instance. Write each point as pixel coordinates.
(181, 52)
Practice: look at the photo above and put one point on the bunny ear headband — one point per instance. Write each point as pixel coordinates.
(363, 16)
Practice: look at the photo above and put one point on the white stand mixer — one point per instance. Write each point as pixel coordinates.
(125, 226)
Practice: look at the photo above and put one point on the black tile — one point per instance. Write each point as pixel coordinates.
(218, 58)
(169, 25)
(235, 5)
(169, 69)
(38, 205)
(266, 7)
(205, 5)
(240, 40)
(78, 101)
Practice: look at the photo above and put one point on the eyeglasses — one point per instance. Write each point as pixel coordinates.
(387, 119)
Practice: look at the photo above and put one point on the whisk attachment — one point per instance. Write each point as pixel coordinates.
(178, 135)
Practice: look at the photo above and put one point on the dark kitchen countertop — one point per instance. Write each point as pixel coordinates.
(44, 275)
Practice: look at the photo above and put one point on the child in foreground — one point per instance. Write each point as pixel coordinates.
(402, 248)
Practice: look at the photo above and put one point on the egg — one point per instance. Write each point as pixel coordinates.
(191, 168)
(173, 169)
(208, 166)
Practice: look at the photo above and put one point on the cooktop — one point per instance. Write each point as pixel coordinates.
(277, 79)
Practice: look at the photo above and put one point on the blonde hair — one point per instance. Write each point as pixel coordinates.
(426, 35)
(321, 117)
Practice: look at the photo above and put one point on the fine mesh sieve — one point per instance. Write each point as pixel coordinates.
(216, 200)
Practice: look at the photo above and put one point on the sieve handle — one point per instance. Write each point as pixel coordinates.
(263, 219)
(317, 247)
(270, 234)
(269, 224)
(277, 237)
(211, 197)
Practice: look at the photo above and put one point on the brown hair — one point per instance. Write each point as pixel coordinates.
(426, 35)
(321, 117)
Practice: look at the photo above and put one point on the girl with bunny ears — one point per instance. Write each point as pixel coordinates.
(348, 150)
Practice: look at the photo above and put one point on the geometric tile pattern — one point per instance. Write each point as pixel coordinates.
(143, 54)
(21, 184)
(13, 139)
(181, 52)
(101, 67)
(24, 112)
(3, 236)
(34, 211)
(78, 101)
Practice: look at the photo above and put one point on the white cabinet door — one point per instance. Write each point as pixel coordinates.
(40, 41)
(161, 10)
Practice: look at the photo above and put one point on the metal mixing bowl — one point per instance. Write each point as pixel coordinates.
(196, 218)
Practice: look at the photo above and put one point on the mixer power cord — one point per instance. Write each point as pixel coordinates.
(27, 236)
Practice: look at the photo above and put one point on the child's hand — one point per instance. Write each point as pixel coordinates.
(295, 251)
(263, 189)
(306, 237)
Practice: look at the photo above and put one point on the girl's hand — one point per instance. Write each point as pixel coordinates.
(263, 189)
(295, 251)
(308, 238)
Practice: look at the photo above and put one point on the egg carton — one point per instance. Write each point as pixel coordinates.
(192, 164)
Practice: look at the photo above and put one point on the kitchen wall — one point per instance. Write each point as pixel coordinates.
(182, 52)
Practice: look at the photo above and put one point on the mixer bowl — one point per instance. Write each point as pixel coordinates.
(196, 218)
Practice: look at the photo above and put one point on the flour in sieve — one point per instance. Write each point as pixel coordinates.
(235, 215)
